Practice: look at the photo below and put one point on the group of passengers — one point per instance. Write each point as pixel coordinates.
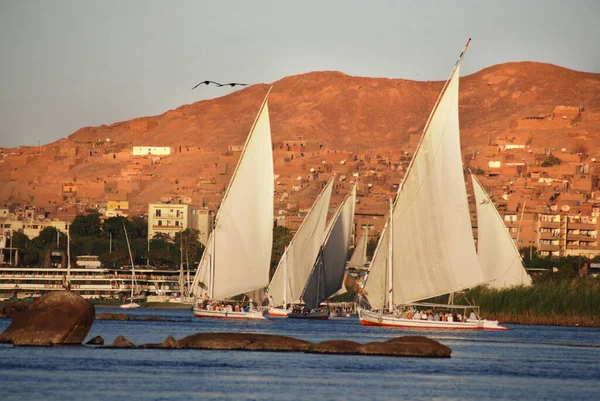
(433, 316)
(221, 307)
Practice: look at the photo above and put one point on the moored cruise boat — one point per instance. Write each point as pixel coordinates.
(90, 283)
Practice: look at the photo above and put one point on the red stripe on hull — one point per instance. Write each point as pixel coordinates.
(367, 323)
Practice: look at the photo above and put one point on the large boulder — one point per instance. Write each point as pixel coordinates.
(407, 346)
(56, 318)
(244, 341)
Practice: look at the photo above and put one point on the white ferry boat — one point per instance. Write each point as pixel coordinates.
(90, 283)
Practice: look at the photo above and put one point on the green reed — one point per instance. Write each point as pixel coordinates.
(567, 297)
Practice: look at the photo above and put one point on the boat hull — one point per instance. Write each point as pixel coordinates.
(368, 318)
(278, 312)
(225, 314)
(317, 315)
(132, 305)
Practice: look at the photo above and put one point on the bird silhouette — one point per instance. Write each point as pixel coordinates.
(232, 84)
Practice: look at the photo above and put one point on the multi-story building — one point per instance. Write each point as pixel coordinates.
(564, 234)
(171, 218)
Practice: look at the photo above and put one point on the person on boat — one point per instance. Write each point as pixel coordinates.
(409, 315)
(472, 316)
(271, 302)
(450, 319)
(417, 315)
(436, 317)
(459, 317)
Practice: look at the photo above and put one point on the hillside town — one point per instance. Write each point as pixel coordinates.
(549, 197)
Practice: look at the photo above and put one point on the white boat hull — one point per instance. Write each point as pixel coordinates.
(279, 312)
(226, 314)
(132, 305)
(368, 318)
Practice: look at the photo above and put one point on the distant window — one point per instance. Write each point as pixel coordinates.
(160, 222)
(157, 212)
(177, 224)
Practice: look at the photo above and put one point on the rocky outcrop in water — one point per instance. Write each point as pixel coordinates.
(125, 317)
(56, 318)
(415, 346)
(122, 342)
(244, 341)
(96, 341)
(10, 309)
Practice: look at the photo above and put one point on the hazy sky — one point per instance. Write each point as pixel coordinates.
(69, 64)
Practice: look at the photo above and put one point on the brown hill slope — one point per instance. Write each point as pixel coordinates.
(357, 113)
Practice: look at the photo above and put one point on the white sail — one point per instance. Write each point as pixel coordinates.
(328, 273)
(201, 282)
(240, 245)
(498, 255)
(302, 251)
(359, 256)
(375, 287)
(433, 249)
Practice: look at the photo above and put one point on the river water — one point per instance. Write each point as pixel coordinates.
(526, 362)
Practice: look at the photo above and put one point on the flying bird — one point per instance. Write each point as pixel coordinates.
(232, 84)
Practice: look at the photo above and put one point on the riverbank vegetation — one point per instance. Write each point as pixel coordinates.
(562, 293)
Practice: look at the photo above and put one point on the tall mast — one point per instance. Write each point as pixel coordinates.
(285, 278)
(68, 255)
(148, 252)
(390, 260)
(187, 266)
(131, 259)
(212, 259)
(181, 264)
(519, 230)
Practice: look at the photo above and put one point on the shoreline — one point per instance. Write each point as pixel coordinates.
(557, 320)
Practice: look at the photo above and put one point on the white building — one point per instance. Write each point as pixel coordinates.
(151, 150)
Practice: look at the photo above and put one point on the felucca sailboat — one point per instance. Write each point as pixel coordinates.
(328, 271)
(296, 264)
(238, 251)
(427, 248)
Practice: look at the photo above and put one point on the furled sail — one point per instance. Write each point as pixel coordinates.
(359, 256)
(498, 255)
(302, 251)
(240, 246)
(433, 249)
(328, 272)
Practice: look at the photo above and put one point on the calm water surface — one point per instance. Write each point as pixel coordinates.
(527, 362)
